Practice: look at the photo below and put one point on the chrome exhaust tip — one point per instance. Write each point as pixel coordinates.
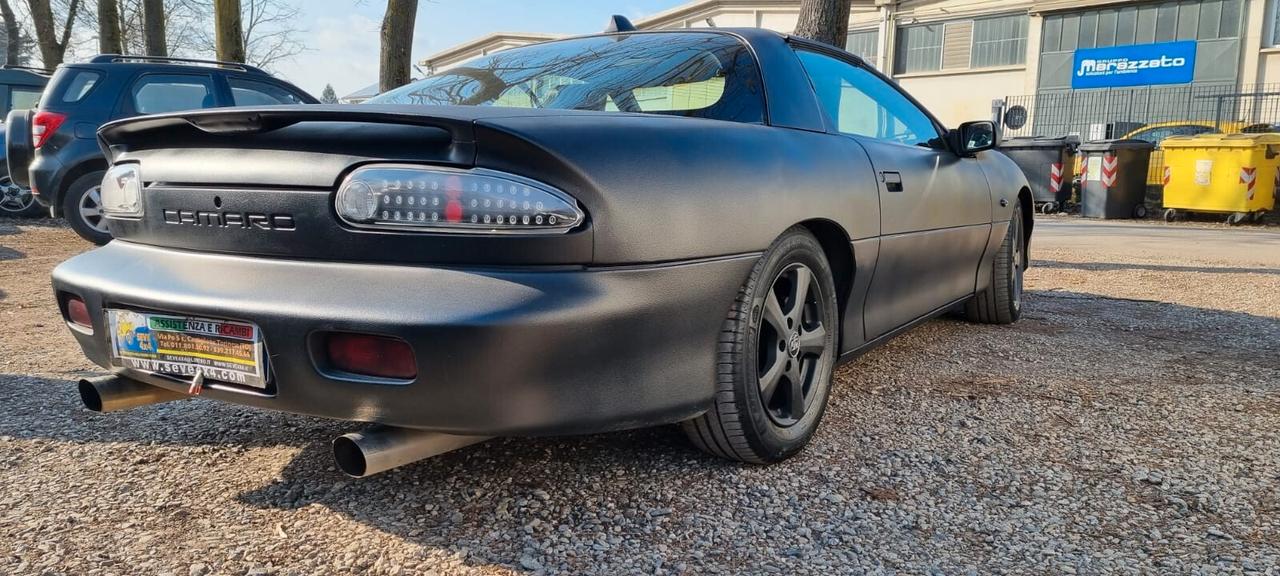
(115, 393)
(381, 448)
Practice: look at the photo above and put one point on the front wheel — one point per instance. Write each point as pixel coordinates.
(82, 207)
(16, 200)
(1001, 302)
(777, 352)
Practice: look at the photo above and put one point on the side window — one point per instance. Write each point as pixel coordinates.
(253, 93)
(860, 103)
(157, 93)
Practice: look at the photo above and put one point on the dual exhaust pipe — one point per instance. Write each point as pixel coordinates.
(358, 454)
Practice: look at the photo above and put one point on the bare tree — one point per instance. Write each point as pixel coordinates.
(13, 34)
(270, 32)
(228, 32)
(826, 21)
(153, 26)
(397, 41)
(52, 41)
(109, 38)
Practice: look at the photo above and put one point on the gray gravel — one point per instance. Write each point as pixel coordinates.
(1129, 424)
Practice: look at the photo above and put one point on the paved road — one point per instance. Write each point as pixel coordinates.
(1244, 246)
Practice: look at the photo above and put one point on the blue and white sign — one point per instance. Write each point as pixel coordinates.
(1137, 65)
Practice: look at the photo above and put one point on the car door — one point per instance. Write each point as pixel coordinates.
(935, 205)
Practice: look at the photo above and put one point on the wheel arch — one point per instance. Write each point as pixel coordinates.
(838, 249)
(1028, 222)
(72, 174)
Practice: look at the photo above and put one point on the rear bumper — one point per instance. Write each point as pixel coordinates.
(46, 174)
(498, 352)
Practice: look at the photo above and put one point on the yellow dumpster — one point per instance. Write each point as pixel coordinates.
(1233, 174)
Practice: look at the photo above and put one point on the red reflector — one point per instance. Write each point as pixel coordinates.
(370, 355)
(43, 125)
(78, 313)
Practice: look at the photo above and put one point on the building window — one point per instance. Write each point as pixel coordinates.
(1273, 22)
(919, 49)
(1000, 41)
(865, 44)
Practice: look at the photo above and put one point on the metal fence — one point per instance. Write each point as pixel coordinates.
(1150, 113)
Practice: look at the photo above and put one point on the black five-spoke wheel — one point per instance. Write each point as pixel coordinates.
(776, 355)
(792, 343)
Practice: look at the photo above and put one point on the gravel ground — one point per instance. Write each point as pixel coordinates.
(1127, 425)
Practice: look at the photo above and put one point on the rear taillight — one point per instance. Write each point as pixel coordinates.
(370, 355)
(43, 125)
(78, 313)
(435, 199)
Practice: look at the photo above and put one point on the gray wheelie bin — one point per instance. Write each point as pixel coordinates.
(1049, 164)
(1115, 178)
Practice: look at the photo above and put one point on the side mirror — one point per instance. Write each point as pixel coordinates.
(973, 137)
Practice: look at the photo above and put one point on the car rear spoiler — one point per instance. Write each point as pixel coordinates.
(122, 135)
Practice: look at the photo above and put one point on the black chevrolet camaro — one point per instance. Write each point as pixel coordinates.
(598, 233)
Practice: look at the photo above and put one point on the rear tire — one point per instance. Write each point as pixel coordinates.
(777, 353)
(82, 207)
(16, 200)
(1001, 302)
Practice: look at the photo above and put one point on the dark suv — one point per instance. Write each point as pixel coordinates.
(20, 88)
(55, 146)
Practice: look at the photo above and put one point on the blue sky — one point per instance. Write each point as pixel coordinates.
(342, 35)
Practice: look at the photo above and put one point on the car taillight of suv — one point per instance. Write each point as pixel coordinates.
(43, 125)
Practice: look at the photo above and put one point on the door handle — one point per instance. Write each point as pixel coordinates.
(892, 181)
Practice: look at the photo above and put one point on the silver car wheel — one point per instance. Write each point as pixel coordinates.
(14, 198)
(91, 210)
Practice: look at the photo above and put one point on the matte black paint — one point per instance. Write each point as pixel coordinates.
(610, 326)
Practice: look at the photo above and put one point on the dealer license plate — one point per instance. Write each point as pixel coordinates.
(183, 346)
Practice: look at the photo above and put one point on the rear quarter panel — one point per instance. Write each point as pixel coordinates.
(659, 188)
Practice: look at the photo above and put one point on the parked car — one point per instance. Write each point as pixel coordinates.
(54, 148)
(20, 88)
(590, 234)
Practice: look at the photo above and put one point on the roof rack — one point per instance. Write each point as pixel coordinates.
(37, 70)
(106, 58)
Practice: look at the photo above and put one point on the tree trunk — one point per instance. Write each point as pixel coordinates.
(52, 45)
(397, 42)
(826, 21)
(109, 40)
(13, 35)
(153, 34)
(229, 34)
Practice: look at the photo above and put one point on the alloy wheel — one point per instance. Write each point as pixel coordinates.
(91, 209)
(792, 344)
(14, 198)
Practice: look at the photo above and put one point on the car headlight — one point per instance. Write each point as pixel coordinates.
(478, 201)
(121, 191)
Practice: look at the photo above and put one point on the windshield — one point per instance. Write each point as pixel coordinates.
(706, 75)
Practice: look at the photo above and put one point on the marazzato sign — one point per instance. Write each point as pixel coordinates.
(1137, 65)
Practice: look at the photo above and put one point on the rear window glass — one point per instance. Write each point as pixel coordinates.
(79, 85)
(707, 75)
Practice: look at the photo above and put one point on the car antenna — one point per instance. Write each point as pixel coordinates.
(619, 23)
